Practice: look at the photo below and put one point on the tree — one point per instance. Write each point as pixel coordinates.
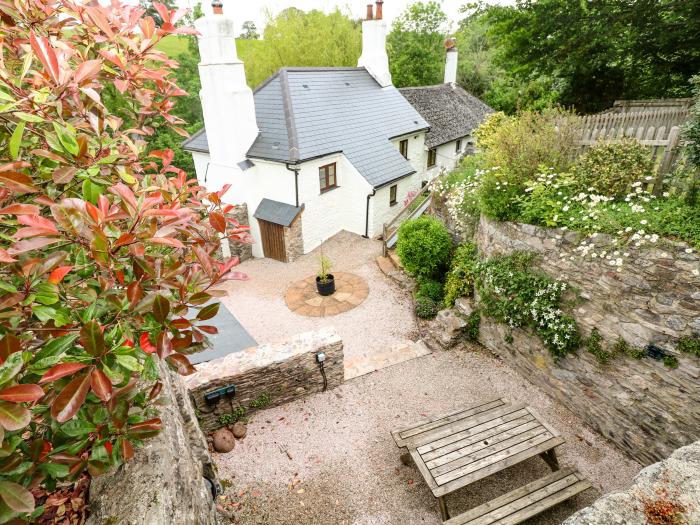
(150, 9)
(106, 250)
(598, 51)
(415, 45)
(298, 38)
(250, 31)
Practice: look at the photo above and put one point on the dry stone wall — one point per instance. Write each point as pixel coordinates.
(243, 251)
(268, 375)
(170, 479)
(645, 408)
(671, 484)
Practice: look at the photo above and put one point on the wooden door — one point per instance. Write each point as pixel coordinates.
(273, 240)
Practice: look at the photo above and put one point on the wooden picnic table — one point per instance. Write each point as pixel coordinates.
(457, 449)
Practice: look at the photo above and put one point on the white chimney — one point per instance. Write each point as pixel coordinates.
(227, 101)
(451, 61)
(374, 57)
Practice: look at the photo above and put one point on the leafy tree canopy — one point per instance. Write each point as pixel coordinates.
(250, 31)
(415, 45)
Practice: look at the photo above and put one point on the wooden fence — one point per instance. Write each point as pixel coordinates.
(657, 129)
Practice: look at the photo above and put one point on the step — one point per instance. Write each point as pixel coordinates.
(395, 259)
(386, 265)
(378, 360)
(528, 501)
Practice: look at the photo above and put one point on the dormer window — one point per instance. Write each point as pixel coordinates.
(403, 148)
(327, 177)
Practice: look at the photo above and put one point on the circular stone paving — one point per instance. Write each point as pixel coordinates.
(303, 297)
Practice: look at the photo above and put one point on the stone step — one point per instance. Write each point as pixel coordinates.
(378, 360)
(386, 265)
(395, 259)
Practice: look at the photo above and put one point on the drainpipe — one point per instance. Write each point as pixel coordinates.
(296, 181)
(369, 196)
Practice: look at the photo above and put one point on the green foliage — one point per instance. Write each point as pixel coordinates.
(610, 168)
(249, 31)
(691, 132)
(426, 308)
(415, 46)
(237, 414)
(325, 269)
(262, 401)
(622, 347)
(513, 293)
(594, 344)
(460, 278)
(100, 290)
(473, 324)
(424, 247)
(593, 53)
(432, 289)
(689, 345)
(671, 361)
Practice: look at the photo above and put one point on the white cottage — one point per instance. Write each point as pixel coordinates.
(314, 151)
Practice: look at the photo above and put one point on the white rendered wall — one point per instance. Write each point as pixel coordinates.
(342, 208)
(447, 158)
(416, 150)
(381, 211)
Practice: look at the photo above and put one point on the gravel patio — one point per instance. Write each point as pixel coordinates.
(383, 321)
(330, 459)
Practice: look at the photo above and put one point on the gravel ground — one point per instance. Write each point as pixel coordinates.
(259, 303)
(329, 459)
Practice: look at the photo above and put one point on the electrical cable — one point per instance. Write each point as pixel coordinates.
(325, 380)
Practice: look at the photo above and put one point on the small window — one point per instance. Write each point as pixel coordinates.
(403, 148)
(432, 158)
(327, 177)
(458, 149)
(392, 195)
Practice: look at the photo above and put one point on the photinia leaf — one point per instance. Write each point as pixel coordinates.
(11, 367)
(92, 339)
(208, 312)
(146, 429)
(217, 221)
(148, 28)
(46, 293)
(101, 385)
(71, 398)
(13, 416)
(59, 273)
(61, 370)
(161, 308)
(78, 428)
(20, 209)
(181, 364)
(129, 362)
(134, 293)
(9, 344)
(31, 244)
(87, 70)
(22, 393)
(42, 47)
(67, 139)
(126, 449)
(155, 391)
(64, 174)
(164, 345)
(16, 139)
(16, 497)
(17, 182)
(166, 241)
(146, 344)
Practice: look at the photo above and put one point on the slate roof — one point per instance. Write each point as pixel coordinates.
(277, 212)
(451, 112)
(307, 113)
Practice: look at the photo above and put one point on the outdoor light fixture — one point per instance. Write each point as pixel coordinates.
(213, 397)
(320, 359)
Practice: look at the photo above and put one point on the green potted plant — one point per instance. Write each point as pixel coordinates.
(325, 282)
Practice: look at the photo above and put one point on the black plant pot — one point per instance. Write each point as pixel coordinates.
(326, 288)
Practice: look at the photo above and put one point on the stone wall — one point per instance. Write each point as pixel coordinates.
(671, 483)
(268, 375)
(166, 482)
(645, 408)
(243, 251)
(294, 240)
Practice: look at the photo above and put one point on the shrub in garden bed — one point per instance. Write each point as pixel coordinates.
(460, 278)
(105, 249)
(424, 247)
(426, 308)
(432, 289)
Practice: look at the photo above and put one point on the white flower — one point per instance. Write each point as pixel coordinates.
(688, 250)
(667, 194)
(696, 272)
(643, 222)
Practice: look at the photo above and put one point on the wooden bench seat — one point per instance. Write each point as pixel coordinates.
(528, 501)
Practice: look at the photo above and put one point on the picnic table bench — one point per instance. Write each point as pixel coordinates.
(454, 450)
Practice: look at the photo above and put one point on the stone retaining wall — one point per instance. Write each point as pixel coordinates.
(645, 408)
(165, 483)
(243, 251)
(672, 481)
(268, 375)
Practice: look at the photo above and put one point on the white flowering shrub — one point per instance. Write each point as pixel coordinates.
(512, 292)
